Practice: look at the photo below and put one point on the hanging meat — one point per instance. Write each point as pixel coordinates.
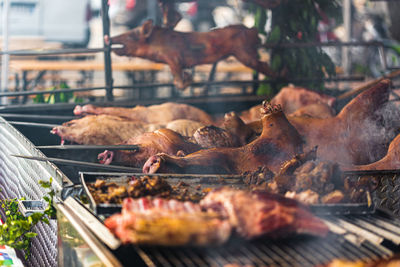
(163, 113)
(181, 50)
(279, 141)
(151, 143)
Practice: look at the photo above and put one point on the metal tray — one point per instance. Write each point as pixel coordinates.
(207, 181)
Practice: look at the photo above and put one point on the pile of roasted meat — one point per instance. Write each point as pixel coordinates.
(106, 192)
(289, 150)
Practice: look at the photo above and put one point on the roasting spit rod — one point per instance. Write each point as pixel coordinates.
(33, 124)
(86, 147)
(80, 163)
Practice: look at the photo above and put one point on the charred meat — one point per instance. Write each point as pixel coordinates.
(258, 213)
(278, 142)
(167, 222)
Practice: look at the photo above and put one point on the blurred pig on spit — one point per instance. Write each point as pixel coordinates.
(182, 50)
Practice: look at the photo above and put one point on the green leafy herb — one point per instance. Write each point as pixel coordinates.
(16, 231)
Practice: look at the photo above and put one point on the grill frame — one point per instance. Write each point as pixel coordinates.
(19, 178)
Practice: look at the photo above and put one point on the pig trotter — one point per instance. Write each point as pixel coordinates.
(83, 110)
(152, 164)
(105, 157)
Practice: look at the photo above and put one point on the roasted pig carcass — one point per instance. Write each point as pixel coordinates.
(292, 99)
(101, 130)
(181, 50)
(162, 114)
(257, 213)
(112, 130)
(279, 141)
(151, 143)
(357, 135)
(167, 222)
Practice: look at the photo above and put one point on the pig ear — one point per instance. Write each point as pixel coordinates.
(147, 29)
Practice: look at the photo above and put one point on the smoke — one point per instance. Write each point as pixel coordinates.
(378, 131)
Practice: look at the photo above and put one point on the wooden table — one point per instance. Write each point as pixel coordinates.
(41, 67)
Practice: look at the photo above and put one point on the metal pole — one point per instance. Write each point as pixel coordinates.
(346, 57)
(107, 51)
(5, 59)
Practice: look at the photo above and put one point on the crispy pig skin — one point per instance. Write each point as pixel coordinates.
(278, 142)
(181, 50)
(259, 213)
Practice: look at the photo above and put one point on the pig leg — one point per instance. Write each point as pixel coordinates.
(105, 157)
(181, 78)
(249, 57)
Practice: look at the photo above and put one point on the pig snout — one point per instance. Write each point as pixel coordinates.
(106, 157)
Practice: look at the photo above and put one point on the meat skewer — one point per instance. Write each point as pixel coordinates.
(279, 141)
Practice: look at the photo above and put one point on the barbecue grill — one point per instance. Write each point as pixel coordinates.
(82, 237)
(353, 237)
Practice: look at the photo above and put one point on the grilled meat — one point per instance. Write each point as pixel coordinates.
(258, 213)
(181, 50)
(167, 222)
(112, 130)
(278, 142)
(162, 140)
(110, 192)
(101, 130)
(162, 114)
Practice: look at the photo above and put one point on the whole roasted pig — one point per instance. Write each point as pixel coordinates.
(182, 50)
(279, 141)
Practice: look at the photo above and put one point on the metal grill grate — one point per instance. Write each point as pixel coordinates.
(362, 237)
